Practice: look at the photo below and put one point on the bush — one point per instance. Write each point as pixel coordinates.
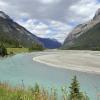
(3, 50)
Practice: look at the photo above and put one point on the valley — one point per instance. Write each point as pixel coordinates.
(50, 53)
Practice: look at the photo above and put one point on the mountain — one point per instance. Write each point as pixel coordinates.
(85, 36)
(13, 34)
(50, 43)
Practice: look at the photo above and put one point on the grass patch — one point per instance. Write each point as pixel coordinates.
(39, 93)
(17, 50)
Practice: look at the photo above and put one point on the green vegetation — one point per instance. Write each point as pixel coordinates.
(9, 43)
(36, 47)
(38, 93)
(75, 93)
(8, 51)
(89, 40)
(3, 50)
(13, 50)
(17, 50)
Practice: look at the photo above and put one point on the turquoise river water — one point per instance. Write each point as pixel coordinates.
(21, 67)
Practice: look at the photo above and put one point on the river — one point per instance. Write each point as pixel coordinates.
(21, 67)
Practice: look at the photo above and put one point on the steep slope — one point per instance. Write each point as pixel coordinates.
(85, 36)
(14, 35)
(50, 43)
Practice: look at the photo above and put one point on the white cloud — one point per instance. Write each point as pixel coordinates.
(50, 18)
(49, 1)
(83, 11)
(47, 29)
(39, 9)
(3, 3)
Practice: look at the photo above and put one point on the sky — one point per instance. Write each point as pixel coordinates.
(50, 18)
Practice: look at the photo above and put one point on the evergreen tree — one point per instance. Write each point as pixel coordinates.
(75, 93)
(3, 50)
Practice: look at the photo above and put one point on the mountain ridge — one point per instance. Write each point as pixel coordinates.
(76, 39)
(14, 35)
(11, 32)
(50, 43)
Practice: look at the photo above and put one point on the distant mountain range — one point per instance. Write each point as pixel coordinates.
(50, 43)
(14, 35)
(85, 36)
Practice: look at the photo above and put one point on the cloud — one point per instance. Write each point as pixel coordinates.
(49, 1)
(48, 29)
(50, 18)
(83, 11)
(39, 9)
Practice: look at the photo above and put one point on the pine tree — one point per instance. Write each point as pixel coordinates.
(3, 50)
(75, 93)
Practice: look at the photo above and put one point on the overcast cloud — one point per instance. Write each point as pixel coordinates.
(50, 18)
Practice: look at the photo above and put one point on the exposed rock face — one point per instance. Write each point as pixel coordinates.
(76, 38)
(3, 15)
(97, 13)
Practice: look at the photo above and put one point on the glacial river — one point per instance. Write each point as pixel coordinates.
(21, 67)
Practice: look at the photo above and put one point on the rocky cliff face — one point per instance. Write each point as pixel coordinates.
(81, 36)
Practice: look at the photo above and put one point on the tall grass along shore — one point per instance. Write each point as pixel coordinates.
(37, 93)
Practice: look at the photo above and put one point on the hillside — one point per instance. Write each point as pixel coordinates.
(85, 36)
(14, 35)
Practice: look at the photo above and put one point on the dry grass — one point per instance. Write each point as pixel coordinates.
(17, 50)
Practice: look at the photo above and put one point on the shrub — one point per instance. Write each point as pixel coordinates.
(3, 50)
